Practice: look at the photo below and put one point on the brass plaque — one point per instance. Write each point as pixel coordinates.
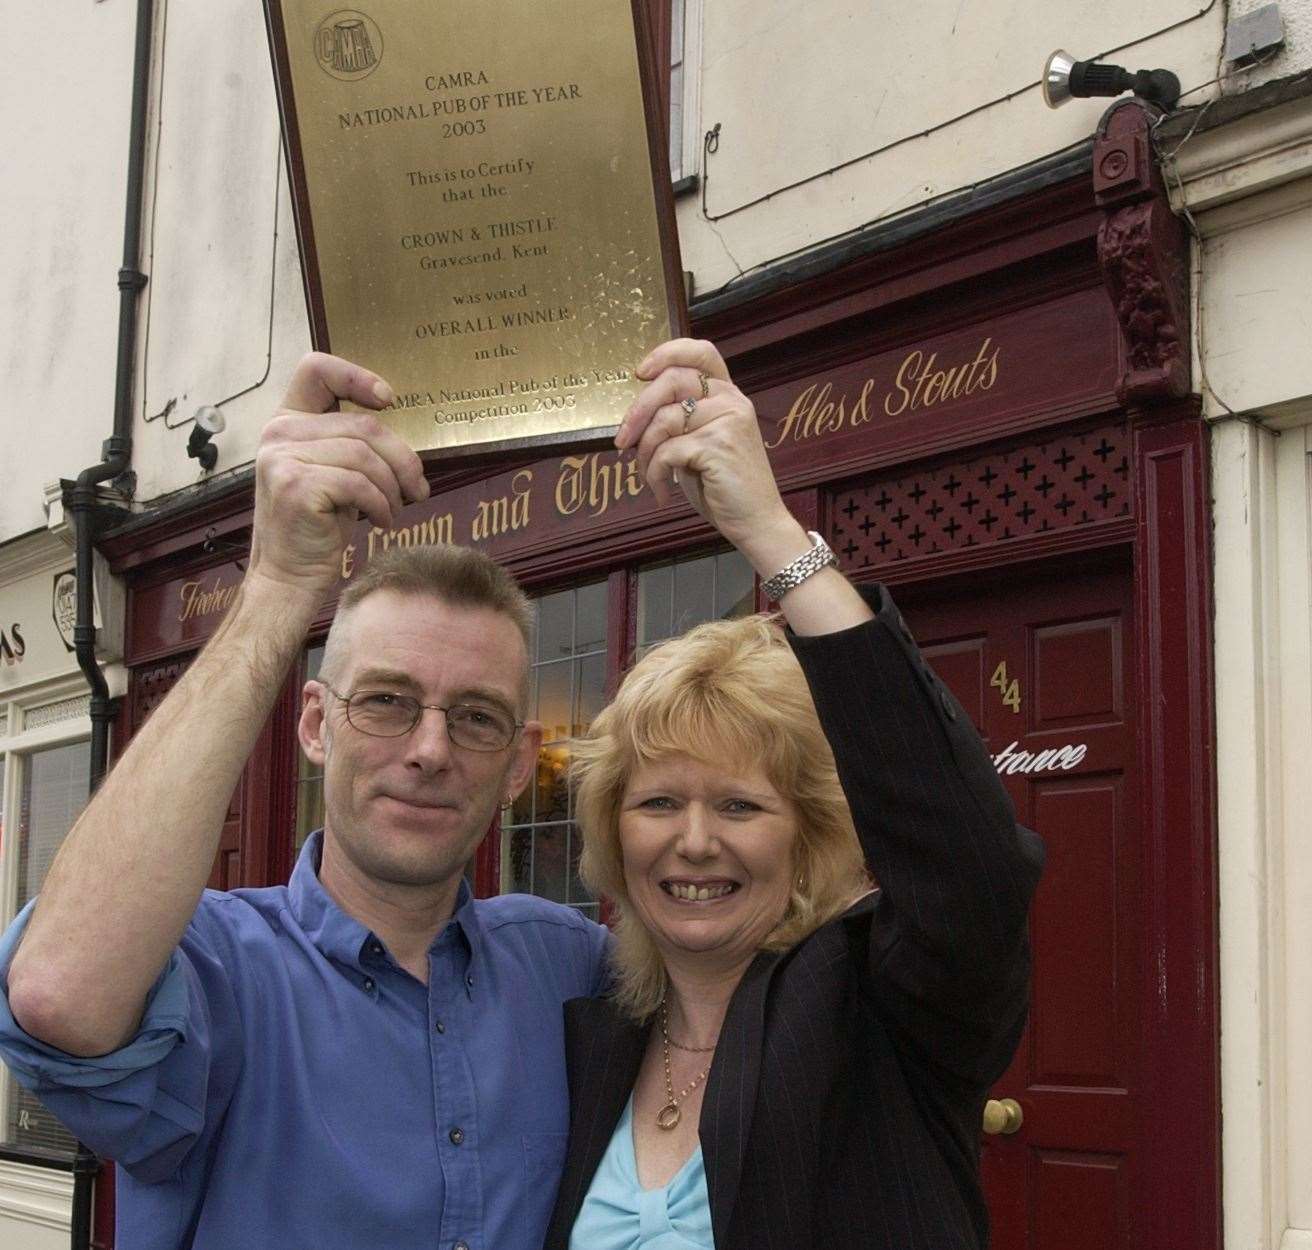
(483, 207)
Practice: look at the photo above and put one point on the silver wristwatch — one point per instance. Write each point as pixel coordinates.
(795, 573)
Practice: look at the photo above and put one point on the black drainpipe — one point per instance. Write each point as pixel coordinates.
(83, 505)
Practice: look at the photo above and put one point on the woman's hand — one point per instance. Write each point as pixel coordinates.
(692, 426)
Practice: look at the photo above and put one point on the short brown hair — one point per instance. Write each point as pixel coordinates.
(461, 576)
(731, 691)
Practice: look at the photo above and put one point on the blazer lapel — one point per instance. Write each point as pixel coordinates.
(603, 1054)
(730, 1099)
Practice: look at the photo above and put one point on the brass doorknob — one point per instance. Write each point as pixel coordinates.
(1003, 1115)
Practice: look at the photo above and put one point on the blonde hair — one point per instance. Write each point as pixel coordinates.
(731, 691)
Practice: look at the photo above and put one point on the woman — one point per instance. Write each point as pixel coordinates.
(789, 1058)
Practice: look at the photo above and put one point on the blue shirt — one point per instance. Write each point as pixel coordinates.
(291, 1086)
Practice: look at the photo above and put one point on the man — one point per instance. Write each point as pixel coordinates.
(366, 1057)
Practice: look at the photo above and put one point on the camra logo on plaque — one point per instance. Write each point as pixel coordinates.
(348, 45)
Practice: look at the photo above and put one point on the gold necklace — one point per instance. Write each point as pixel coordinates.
(669, 1115)
(692, 1050)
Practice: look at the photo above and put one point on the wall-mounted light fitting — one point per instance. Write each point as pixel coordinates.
(1065, 78)
(208, 422)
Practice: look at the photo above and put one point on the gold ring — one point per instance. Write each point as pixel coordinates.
(689, 406)
(706, 384)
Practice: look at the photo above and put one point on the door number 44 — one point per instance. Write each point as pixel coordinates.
(1010, 690)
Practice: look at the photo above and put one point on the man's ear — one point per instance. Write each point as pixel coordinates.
(525, 759)
(311, 728)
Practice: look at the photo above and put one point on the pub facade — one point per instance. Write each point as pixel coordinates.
(966, 417)
(978, 387)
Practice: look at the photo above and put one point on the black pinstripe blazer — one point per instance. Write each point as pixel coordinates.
(843, 1106)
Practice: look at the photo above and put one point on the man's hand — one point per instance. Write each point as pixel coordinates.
(318, 469)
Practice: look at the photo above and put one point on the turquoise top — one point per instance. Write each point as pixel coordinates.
(618, 1214)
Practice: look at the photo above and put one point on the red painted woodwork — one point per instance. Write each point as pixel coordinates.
(102, 1209)
(1173, 602)
(566, 516)
(1073, 479)
(1044, 661)
(1143, 249)
(486, 875)
(181, 612)
(255, 843)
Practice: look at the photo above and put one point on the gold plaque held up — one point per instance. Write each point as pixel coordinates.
(483, 207)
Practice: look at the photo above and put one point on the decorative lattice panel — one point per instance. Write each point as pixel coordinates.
(151, 684)
(57, 713)
(1055, 485)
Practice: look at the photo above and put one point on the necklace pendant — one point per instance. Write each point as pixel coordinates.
(669, 1117)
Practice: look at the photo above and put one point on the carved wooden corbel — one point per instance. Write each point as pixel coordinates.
(1143, 250)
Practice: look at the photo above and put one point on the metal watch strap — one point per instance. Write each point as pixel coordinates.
(795, 573)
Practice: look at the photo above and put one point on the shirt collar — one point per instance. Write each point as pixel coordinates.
(342, 937)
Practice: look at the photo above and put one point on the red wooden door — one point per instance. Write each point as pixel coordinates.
(1043, 665)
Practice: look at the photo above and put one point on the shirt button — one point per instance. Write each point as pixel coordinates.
(375, 948)
(439, 1026)
(461, 1245)
(368, 985)
(457, 1135)
(469, 981)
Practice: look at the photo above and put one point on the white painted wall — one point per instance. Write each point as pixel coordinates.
(1248, 188)
(799, 91)
(64, 95)
(224, 308)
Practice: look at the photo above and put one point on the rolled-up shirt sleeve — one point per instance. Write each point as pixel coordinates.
(143, 1105)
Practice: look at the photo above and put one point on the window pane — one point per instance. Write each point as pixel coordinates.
(538, 840)
(555, 699)
(694, 593)
(518, 865)
(555, 625)
(578, 892)
(592, 690)
(53, 792)
(590, 630)
(552, 783)
(655, 603)
(735, 587)
(676, 88)
(309, 787)
(703, 588)
(591, 696)
(676, 122)
(549, 863)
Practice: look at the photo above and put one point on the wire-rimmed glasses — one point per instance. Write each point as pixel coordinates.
(386, 714)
